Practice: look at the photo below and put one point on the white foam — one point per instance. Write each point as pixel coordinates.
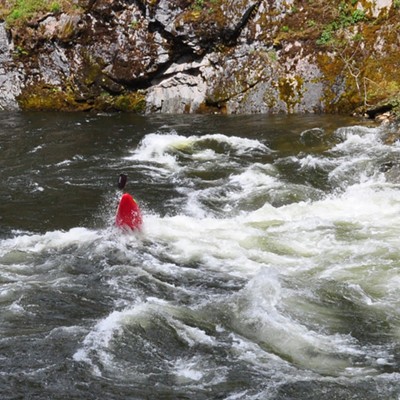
(97, 347)
(255, 177)
(154, 147)
(162, 148)
(193, 335)
(205, 155)
(350, 237)
(63, 163)
(97, 341)
(55, 239)
(313, 162)
(241, 145)
(188, 369)
(36, 149)
(260, 318)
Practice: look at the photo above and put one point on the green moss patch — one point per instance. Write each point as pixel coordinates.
(19, 11)
(42, 97)
(127, 102)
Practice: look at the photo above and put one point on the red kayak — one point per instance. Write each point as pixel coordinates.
(128, 214)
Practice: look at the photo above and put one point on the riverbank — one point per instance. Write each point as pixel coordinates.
(202, 56)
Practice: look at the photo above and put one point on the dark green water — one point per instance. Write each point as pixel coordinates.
(267, 267)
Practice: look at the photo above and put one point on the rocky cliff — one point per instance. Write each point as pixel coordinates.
(190, 56)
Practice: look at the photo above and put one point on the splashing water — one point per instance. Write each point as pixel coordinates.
(267, 266)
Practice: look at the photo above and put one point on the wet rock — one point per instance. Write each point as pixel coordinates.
(392, 172)
(312, 137)
(385, 118)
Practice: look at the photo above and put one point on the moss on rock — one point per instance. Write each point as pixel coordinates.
(127, 102)
(44, 97)
(290, 91)
(247, 56)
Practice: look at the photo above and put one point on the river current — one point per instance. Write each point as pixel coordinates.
(268, 266)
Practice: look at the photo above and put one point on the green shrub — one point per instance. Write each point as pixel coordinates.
(345, 19)
(55, 7)
(357, 16)
(325, 38)
(198, 5)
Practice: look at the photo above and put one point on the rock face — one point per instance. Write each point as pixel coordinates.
(11, 78)
(189, 56)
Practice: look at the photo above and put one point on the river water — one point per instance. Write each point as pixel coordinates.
(267, 267)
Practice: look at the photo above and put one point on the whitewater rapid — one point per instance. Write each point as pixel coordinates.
(272, 266)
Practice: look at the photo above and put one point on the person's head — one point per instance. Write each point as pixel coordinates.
(122, 179)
